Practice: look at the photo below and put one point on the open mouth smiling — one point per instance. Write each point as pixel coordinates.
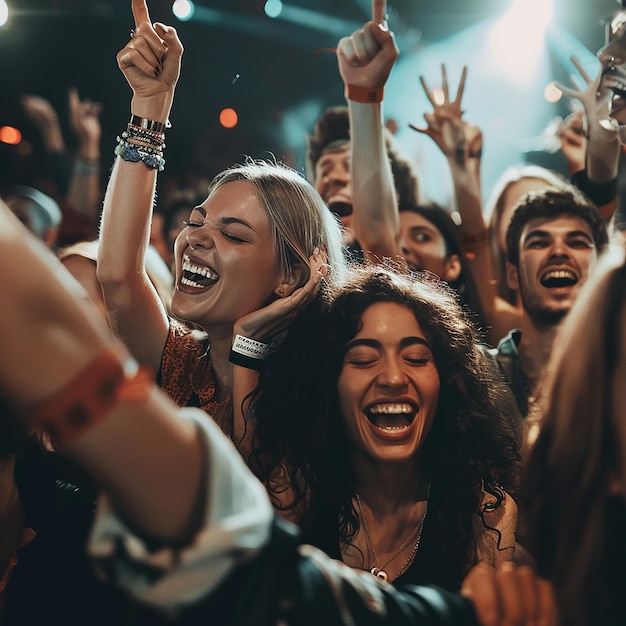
(391, 416)
(556, 279)
(197, 276)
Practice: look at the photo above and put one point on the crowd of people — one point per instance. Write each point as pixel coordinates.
(292, 401)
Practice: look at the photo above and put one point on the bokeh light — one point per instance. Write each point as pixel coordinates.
(273, 8)
(4, 12)
(552, 93)
(183, 9)
(10, 135)
(228, 118)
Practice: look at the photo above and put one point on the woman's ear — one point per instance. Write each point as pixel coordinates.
(452, 268)
(294, 280)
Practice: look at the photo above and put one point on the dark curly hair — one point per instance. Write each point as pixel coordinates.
(553, 203)
(299, 426)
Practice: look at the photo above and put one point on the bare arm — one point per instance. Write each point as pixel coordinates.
(365, 61)
(461, 144)
(603, 148)
(42, 113)
(151, 64)
(46, 347)
(84, 194)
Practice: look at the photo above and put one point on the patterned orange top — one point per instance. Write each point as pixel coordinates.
(187, 376)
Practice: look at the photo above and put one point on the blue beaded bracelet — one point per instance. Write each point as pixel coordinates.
(130, 152)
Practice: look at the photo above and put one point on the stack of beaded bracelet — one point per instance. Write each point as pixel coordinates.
(143, 140)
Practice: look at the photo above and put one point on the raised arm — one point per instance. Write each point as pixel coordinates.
(599, 178)
(365, 61)
(150, 62)
(47, 351)
(85, 192)
(461, 144)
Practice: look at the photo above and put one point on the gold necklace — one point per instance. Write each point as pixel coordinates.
(379, 570)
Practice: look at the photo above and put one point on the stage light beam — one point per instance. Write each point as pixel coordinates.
(518, 38)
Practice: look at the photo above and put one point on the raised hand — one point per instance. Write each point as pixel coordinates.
(448, 110)
(456, 138)
(572, 139)
(278, 315)
(367, 56)
(43, 115)
(596, 102)
(602, 158)
(84, 117)
(150, 61)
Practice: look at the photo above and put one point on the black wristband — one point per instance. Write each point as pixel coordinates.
(599, 193)
(246, 361)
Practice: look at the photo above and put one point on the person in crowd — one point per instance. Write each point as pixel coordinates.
(461, 143)
(399, 460)
(553, 242)
(256, 243)
(360, 183)
(429, 241)
(352, 157)
(182, 524)
(37, 211)
(512, 185)
(71, 176)
(574, 491)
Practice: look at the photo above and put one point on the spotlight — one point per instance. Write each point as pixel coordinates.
(183, 9)
(4, 12)
(273, 8)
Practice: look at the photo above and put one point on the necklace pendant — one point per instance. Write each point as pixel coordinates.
(380, 574)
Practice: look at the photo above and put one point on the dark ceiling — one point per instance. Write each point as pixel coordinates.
(50, 45)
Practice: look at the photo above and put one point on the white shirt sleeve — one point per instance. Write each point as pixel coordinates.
(236, 526)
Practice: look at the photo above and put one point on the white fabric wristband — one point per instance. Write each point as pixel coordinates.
(251, 347)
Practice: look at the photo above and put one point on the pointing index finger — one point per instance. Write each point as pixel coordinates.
(140, 11)
(379, 11)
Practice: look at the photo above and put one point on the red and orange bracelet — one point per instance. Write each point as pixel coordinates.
(87, 399)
